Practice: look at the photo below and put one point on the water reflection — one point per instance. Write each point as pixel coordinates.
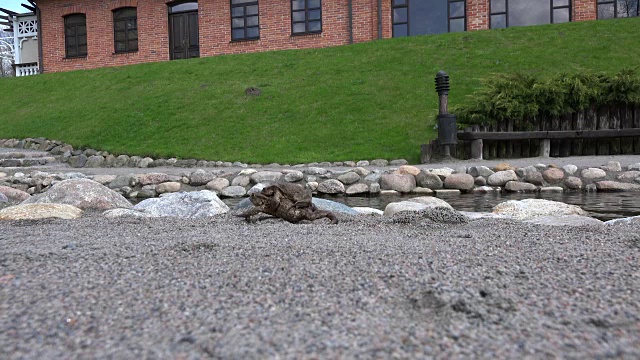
(603, 206)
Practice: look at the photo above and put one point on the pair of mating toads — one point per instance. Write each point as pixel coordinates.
(290, 202)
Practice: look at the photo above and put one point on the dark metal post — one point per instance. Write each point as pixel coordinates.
(447, 126)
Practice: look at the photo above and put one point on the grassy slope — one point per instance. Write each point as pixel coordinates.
(364, 101)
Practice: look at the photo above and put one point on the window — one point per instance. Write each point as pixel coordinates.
(306, 16)
(125, 30)
(420, 17)
(507, 13)
(608, 9)
(245, 23)
(75, 35)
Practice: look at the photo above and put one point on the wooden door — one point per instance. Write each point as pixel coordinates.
(184, 37)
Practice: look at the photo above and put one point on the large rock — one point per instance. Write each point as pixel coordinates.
(153, 178)
(629, 175)
(200, 177)
(593, 173)
(553, 175)
(459, 181)
(531, 208)
(634, 167)
(349, 178)
(519, 186)
(357, 189)
(570, 169)
(265, 176)
(293, 175)
(95, 161)
(195, 204)
(82, 193)
(397, 182)
(612, 166)
(574, 183)
(616, 186)
(3, 198)
(565, 220)
(40, 211)
(635, 220)
(442, 173)
(408, 170)
(429, 180)
(331, 186)
(125, 213)
(431, 202)
(217, 184)
(500, 178)
(14, 195)
(483, 171)
(233, 191)
(168, 187)
(396, 207)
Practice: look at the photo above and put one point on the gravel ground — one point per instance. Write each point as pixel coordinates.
(366, 288)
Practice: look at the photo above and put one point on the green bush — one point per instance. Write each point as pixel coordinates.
(521, 97)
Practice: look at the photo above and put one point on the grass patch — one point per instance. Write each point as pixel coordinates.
(363, 101)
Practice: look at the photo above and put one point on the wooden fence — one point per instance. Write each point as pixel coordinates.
(580, 135)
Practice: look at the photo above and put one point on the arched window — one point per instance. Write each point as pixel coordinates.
(125, 29)
(422, 17)
(507, 13)
(75, 35)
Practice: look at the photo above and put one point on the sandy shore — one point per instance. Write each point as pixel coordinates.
(221, 288)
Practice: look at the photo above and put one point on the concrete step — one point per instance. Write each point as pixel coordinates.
(28, 162)
(24, 154)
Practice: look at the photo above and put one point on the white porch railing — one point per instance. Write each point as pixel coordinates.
(27, 69)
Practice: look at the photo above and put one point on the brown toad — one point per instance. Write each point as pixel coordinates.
(290, 202)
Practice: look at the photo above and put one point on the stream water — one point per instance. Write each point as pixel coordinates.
(603, 206)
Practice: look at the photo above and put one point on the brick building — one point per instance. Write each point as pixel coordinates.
(83, 34)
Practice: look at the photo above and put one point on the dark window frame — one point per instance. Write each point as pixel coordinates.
(615, 9)
(407, 23)
(126, 31)
(306, 20)
(551, 10)
(72, 21)
(244, 17)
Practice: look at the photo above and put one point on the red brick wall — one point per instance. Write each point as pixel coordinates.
(215, 28)
(584, 10)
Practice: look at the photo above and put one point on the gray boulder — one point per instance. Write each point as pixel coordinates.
(483, 171)
(634, 167)
(40, 211)
(293, 175)
(616, 186)
(519, 186)
(574, 183)
(629, 175)
(331, 186)
(265, 176)
(241, 180)
(398, 182)
(195, 204)
(14, 195)
(431, 201)
(500, 178)
(357, 189)
(217, 184)
(349, 178)
(635, 220)
(84, 194)
(565, 220)
(78, 161)
(570, 169)
(612, 166)
(531, 208)
(200, 177)
(3, 198)
(95, 161)
(233, 191)
(122, 180)
(379, 162)
(459, 181)
(593, 173)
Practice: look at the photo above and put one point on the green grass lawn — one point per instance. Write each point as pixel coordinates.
(363, 101)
